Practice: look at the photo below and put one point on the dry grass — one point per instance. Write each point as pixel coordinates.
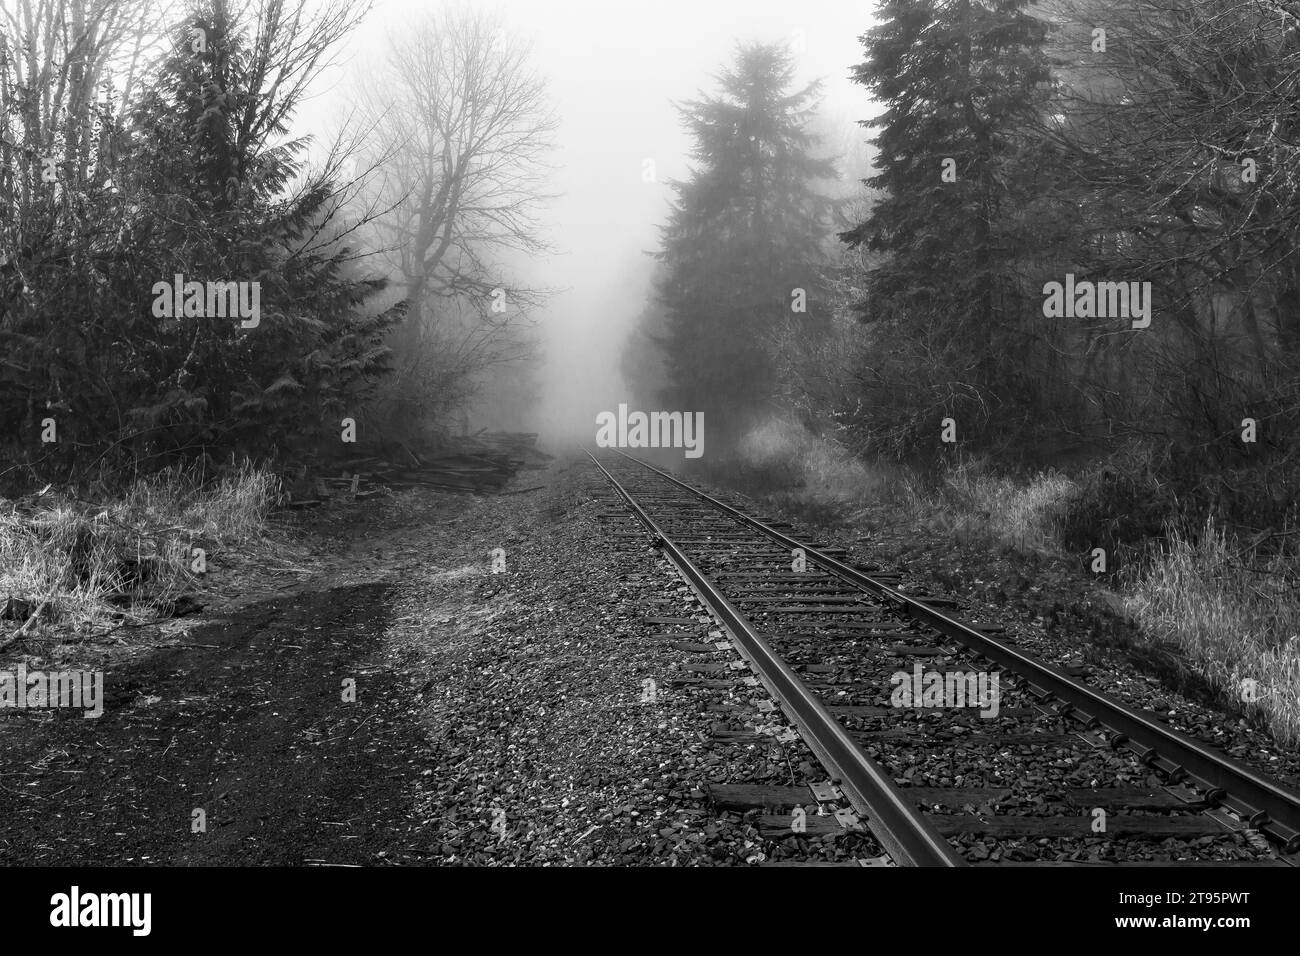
(234, 508)
(1234, 622)
(968, 503)
(1023, 516)
(81, 564)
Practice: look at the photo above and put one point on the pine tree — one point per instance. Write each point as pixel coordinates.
(962, 80)
(745, 231)
(211, 175)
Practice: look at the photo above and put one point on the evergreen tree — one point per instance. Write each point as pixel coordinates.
(223, 197)
(745, 231)
(204, 185)
(960, 183)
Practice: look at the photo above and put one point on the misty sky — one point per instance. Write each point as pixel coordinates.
(614, 68)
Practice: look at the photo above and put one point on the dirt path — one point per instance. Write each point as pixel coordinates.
(239, 714)
(244, 721)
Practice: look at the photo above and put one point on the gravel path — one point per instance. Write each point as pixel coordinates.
(533, 687)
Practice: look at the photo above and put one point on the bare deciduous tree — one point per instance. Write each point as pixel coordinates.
(67, 67)
(460, 125)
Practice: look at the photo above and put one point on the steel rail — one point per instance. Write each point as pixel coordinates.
(1260, 802)
(909, 838)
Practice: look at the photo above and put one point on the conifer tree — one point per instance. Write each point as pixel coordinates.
(959, 183)
(222, 195)
(744, 233)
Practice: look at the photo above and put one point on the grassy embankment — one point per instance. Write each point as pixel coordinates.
(79, 566)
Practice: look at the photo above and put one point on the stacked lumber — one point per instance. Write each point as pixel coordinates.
(519, 447)
(479, 464)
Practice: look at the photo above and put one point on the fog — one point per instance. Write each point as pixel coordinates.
(614, 69)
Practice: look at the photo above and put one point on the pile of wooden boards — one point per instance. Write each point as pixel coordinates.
(480, 464)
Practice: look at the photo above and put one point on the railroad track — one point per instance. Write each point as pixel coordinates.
(948, 745)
